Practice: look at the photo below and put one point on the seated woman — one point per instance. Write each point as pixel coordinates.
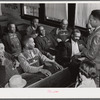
(87, 74)
(45, 42)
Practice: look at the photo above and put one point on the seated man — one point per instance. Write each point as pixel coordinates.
(62, 33)
(12, 40)
(67, 50)
(33, 61)
(45, 42)
(8, 66)
(77, 44)
(31, 30)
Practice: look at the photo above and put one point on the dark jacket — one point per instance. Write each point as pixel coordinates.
(43, 45)
(7, 42)
(92, 50)
(64, 51)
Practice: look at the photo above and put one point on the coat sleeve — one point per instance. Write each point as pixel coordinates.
(92, 52)
(6, 43)
(42, 57)
(54, 32)
(53, 40)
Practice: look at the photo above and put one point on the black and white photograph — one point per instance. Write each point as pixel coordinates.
(50, 45)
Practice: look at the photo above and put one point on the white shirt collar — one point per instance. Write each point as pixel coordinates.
(75, 48)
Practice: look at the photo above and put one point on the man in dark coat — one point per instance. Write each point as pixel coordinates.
(92, 50)
(12, 40)
(45, 42)
(69, 49)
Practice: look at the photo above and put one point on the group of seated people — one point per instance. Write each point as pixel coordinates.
(40, 52)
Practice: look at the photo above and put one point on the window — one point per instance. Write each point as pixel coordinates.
(29, 11)
(56, 11)
(48, 13)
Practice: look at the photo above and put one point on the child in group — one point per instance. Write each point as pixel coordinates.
(87, 73)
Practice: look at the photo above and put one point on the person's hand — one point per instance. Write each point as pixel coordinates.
(58, 66)
(50, 56)
(45, 72)
(81, 47)
(59, 40)
(75, 57)
(82, 58)
(78, 54)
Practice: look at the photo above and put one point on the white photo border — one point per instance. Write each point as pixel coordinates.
(54, 93)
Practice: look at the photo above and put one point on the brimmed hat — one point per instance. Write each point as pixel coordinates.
(16, 81)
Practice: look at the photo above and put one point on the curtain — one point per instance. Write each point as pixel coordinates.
(83, 11)
(56, 11)
(0, 10)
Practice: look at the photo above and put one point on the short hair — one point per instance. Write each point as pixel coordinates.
(38, 29)
(9, 23)
(96, 14)
(92, 72)
(34, 20)
(75, 30)
(64, 21)
(25, 40)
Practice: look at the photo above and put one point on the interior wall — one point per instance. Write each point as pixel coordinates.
(83, 10)
(11, 12)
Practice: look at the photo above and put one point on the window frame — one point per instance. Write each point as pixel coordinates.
(44, 20)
